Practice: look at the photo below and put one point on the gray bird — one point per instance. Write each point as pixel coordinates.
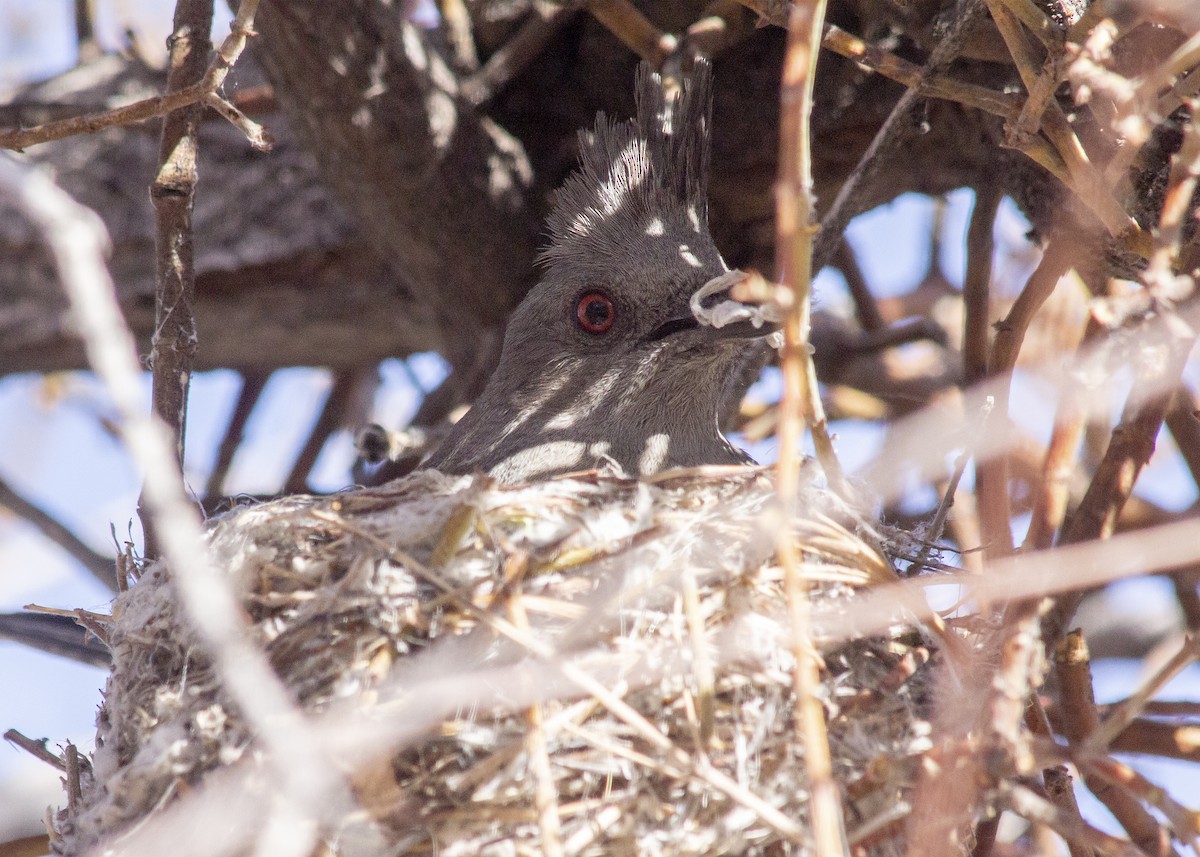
(604, 357)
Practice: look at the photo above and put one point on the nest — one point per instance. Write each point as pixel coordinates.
(665, 592)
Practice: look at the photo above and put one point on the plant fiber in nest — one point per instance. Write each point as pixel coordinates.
(453, 617)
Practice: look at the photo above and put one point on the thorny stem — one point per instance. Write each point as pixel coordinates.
(794, 242)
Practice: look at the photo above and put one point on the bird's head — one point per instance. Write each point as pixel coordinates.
(630, 246)
(604, 356)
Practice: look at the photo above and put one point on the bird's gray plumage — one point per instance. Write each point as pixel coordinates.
(632, 223)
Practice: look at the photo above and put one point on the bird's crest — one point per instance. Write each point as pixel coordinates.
(653, 165)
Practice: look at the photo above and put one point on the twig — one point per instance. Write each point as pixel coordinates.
(1032, 806)
(456, 22)
(913, 76)
(253, 384)
(1086, 181)
(1184, 425)
(343, 393)
(1156, 738)
(849, 200)
(865, 306)
(85, 30)
(74, 791)
(1128, 452)
(27, 846)
(258, 136)
(1185, 821)
(37, 749)
(1120, 716)
(937, 523)
(639, 33)
(1010, 331)
(898, 69)
(174, 343)
(1046, 30)
(702, 665)
(1181, 185)
(77, 243)
(1053, 490)
(58, 635)
(1059, 786)
(1040, 95)
(1184, 59)
(101, 567)
(1073, 664)
(991, 488)
(544, 23)
(794, 216)
(239, 30)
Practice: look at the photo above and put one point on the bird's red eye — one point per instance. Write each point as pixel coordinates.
(595, 312)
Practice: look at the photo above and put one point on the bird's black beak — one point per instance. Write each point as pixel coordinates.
(717, 316)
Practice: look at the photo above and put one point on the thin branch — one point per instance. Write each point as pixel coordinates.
(639, 33)
(1121, 715)
(150, 108)
(1060, 789)
(1184, 425)
(1129, 450)
(342, 394)
(37, 749)
(865, 305)
(253, 384)
(991, 472)
(1047, 31)
(1040, 95)
(1053, 491)
(1156, 738)
(1080, 720)
(85, 30)
(101, 567)
(57, 635)
(1177, 201)
(850, 197)
(977, 283)
(173, 192)
(456, 23)
(1010, 331)
(898, 69)
(1186, 822)
(544, 23)
(794, 218)
(1032, 806)
(1087, 182)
